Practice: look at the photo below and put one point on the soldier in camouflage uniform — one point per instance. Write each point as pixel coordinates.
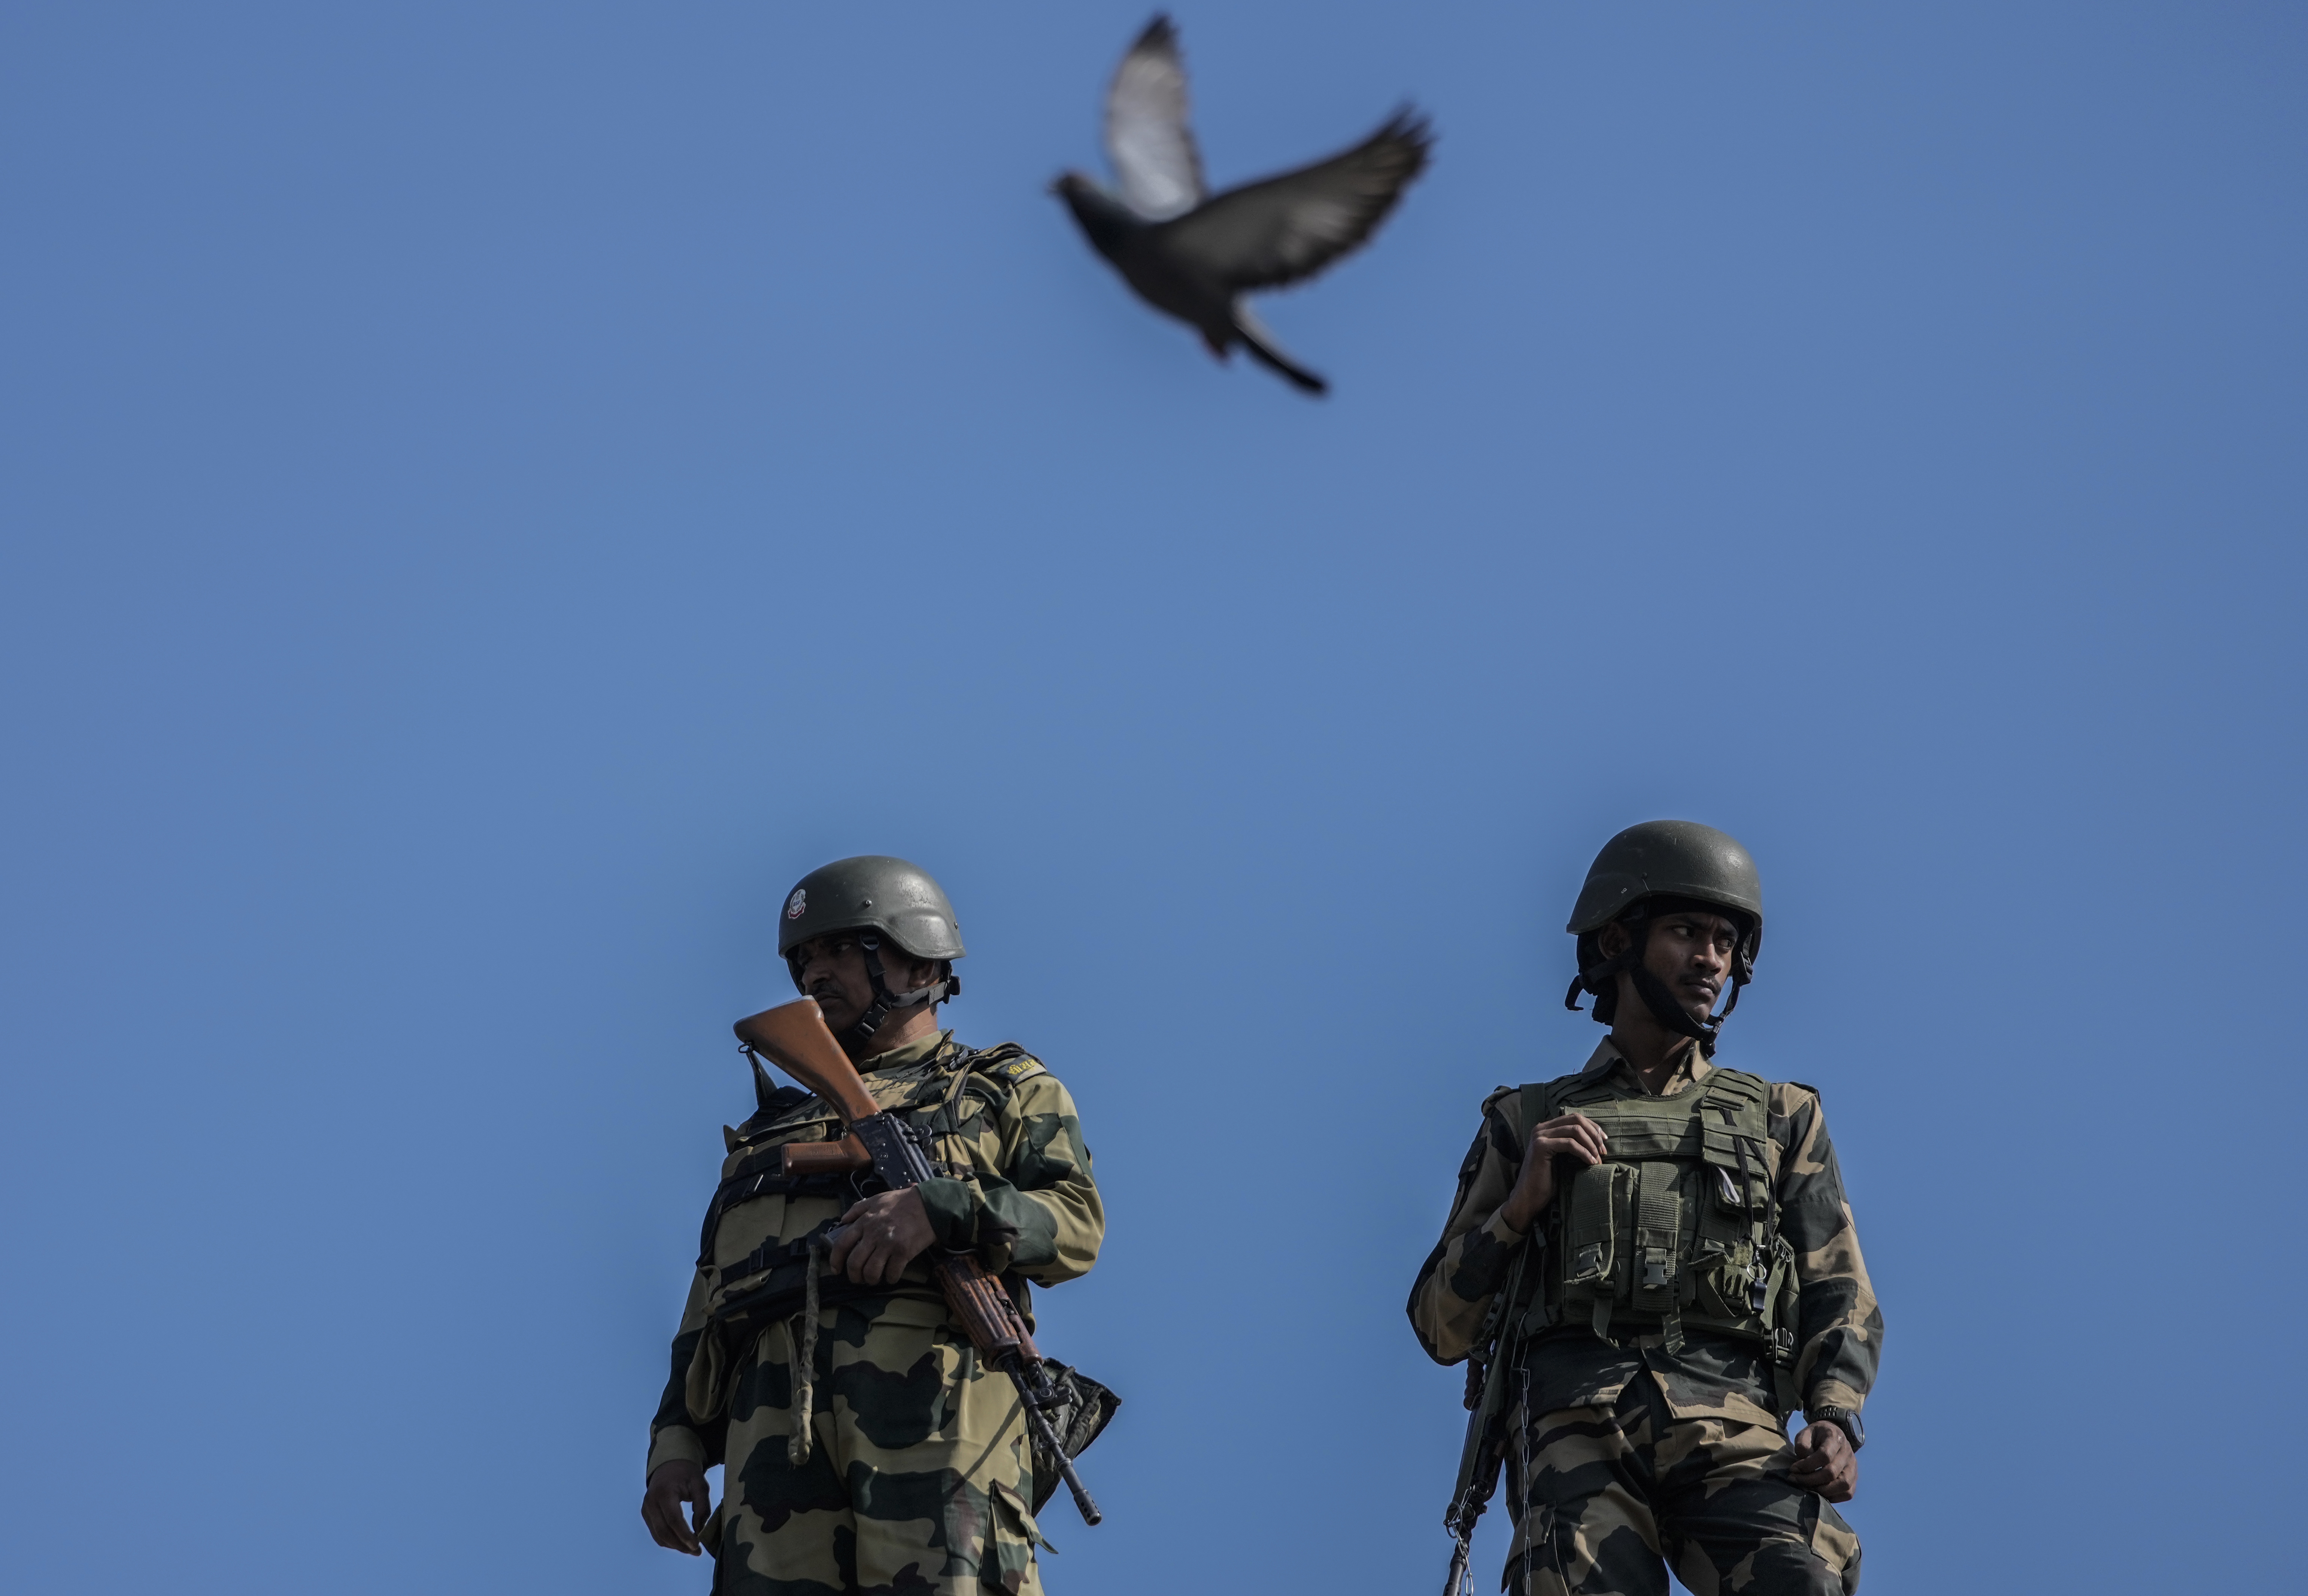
(911, 1470)
(1657, 1253)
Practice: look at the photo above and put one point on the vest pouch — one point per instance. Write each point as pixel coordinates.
(1591, 1229)
(1598, 1212)
(1725, 1274)
(1656, 1255)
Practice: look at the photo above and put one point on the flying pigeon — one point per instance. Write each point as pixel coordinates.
(1194, 255)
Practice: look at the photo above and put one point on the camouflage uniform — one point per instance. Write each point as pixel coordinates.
(1624, 1457)
(919, 1477)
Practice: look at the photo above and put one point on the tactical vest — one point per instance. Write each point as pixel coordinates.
(766, 1283)
(1678, 1228)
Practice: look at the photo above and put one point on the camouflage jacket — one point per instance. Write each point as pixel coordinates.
(1014, 1184)
(1837, 1338)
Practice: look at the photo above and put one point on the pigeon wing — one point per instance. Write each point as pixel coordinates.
(1147, 135)
(1286, 228)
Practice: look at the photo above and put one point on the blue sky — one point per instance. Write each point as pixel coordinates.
(493, 493)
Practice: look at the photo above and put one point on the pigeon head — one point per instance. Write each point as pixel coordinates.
(1103, 219)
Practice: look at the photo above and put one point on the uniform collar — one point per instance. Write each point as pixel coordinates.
(900, 1058)
(1690, 1068)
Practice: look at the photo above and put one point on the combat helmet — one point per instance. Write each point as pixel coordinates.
(881, 897)
(1648, 871)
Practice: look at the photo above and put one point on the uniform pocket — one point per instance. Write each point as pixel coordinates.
(705, 1387)
(1836, 1543)
(1008, 1563)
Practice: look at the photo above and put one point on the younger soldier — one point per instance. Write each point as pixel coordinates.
(1655, 1255)
(866, 1448)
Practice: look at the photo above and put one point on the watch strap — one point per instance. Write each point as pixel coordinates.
(1844, 1420)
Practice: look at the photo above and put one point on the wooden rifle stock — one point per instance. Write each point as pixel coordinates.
(794, 1037)
(844, 1157)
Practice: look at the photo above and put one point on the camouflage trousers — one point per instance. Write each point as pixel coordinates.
(1616, 1495)
(918, 1474)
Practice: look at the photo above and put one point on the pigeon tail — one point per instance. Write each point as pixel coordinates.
(1263, 349)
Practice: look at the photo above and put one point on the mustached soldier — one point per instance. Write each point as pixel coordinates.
(866, 1447)
(1652, 1264)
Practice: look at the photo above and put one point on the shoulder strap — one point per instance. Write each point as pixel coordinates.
(1004, 1066)
(775, 1103)
(1534, 1110)
(1742, 1093)
(1571, 1090)
(961, 1067)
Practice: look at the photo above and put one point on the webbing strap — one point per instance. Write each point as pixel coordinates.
(953, 1092)
(1534, 1110)
(770, 1254)
(804, 1354)
(1524, 1279)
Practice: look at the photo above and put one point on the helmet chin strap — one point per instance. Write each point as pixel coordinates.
(886, 1001)
(1672, 1015)
(1655, 997)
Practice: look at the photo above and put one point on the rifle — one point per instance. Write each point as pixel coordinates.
(1479, 1459)
(794, 1037)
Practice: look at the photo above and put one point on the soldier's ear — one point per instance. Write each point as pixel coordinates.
(1612, 940)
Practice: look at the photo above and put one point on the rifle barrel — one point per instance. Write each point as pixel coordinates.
(1039, 1423)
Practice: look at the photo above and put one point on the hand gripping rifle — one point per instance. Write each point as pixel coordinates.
(794, 1037)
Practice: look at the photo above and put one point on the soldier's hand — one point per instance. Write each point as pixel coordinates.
(1825, 1462)
(673, 1482)
(1572, 1136)
(880, 1236)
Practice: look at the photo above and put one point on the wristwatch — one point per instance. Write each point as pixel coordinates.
(1844, 1420)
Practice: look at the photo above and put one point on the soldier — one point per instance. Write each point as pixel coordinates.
(866, 1448)
(1655, 1260)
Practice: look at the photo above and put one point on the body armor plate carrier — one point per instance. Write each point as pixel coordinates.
(1678, 1228)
